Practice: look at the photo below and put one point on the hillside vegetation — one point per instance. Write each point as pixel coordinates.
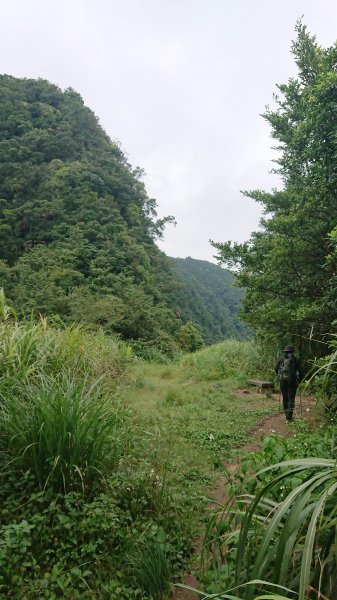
(285, 545)
(105, 461)
(208, 297)
(77, 228)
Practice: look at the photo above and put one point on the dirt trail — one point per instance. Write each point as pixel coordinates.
(273, 425)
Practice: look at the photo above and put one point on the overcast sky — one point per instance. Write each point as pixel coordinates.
(181, 84)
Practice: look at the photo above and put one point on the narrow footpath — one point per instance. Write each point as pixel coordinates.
(271, 425)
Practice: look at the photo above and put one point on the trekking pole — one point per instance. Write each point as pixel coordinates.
(301, 406)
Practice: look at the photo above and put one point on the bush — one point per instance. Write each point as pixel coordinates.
(58, 418)
(67, 434)
(151, 568)
(231, 358)
(27, 350)
(279, 523)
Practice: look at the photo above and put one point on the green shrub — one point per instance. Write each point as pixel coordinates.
(279, 523)
(58, 418)
(51, 545)
(65, 433)
(229, 359)
(27, 350)
(151, 568)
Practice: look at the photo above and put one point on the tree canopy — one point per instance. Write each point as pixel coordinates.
(208, 296)
(288, 267)
(77, 228)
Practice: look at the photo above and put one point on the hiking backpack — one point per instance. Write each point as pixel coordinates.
(287, 369)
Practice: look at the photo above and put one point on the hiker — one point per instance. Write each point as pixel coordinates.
(289, 371)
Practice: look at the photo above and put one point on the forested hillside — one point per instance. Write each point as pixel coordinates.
(289, 267)
(208, 297)
(78, 230)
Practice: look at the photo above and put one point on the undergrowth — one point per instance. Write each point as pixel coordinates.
(229, 359)
(105, 462)
(270, 513)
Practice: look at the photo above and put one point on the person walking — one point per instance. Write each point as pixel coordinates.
(288, 369)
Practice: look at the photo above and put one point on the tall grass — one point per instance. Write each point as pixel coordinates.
(151, 568)
(59, 419)
(229, 359)
(27, 350)
(66, 434)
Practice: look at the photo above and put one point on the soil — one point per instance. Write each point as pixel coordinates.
(272, 425)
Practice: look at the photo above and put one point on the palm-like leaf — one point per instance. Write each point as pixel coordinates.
(293, 542)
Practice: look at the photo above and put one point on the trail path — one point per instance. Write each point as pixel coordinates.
(272, 425)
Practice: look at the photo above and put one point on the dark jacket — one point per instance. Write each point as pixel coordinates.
(295, 370)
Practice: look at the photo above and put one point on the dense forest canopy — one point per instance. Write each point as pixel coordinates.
(208, 297)
(77, 228)
(289, 266)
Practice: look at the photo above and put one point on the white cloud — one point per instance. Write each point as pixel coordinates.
(181, 84)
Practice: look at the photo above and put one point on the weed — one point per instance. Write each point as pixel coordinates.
(173, 397)
(231, 358)
(151, 568)
(167, 373)
(137, 379)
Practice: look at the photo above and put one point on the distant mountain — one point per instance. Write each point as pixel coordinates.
(207, 296)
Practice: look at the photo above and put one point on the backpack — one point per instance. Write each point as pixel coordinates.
(287, 369)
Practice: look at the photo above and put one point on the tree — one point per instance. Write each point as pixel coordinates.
(189, 337)
(77, 228)
(288, 267)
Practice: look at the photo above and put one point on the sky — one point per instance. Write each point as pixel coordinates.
(181, 84)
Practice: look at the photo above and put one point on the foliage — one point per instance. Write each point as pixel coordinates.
(286, 518)
(58, 419)
(77, 227)
(78, 230)
(207, 296)
(231, 358)
(30, 350)
(67, 435)
(70, 545)
(152, 568)
(322, 379)
(104, 462)
(189, 337)
(80, 485)
(288, 267)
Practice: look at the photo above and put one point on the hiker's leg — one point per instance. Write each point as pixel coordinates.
(291, 401)
(284, 392)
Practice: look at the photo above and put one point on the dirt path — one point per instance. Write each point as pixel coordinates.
(273, 425)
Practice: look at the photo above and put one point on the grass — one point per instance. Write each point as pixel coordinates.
(280, 520)
(151, 568)
(106, 461)
(67, 434)
(59, 419)
(198, 424)
(229, 359)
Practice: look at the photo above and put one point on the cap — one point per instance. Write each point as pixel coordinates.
(289, 349)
